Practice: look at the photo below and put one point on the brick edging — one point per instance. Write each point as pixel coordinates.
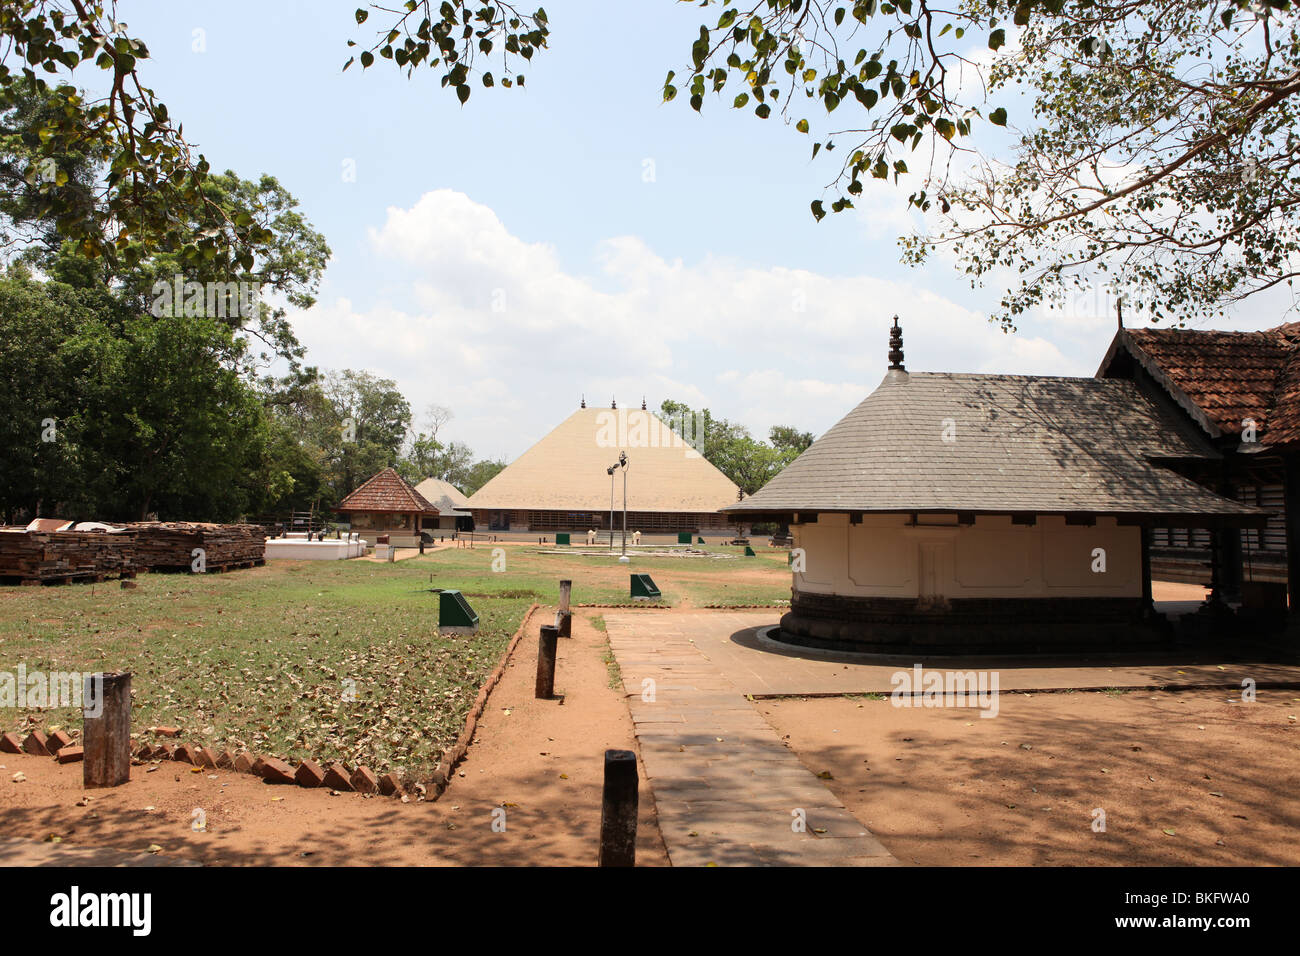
(442, 775)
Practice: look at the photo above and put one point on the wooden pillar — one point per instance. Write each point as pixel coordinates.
(1148, 604)
(106, 730)
(618, 809)
(563, 616)
(544, 689)
(1291, 508)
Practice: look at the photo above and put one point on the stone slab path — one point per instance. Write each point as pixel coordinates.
(734, 643)
(727, 791)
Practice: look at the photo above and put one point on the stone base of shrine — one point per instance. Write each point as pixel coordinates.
(972, 625)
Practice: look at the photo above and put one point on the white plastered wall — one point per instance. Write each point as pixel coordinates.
(885, 556)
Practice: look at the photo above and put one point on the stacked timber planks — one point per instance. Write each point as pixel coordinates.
(167, 545)
(36, 556)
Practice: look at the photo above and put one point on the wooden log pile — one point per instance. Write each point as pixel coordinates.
(168, 545)
(65, 555)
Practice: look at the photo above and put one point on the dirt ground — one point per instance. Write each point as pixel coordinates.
(539, 761)
(1185, 778)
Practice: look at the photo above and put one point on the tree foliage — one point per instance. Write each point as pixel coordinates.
(730, 448)
(151, 181)
(1157, 153)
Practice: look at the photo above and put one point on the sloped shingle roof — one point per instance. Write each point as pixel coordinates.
(1019, 444)
(386, 491)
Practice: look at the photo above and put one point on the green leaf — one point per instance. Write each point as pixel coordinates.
(998, 117)
(361, 16)
(997, 38)
(819, 213)
(802, 126)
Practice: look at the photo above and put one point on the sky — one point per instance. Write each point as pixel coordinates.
(579, 237)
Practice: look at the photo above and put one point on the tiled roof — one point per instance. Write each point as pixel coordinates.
(1227, 376)
(1018, 444)
(566, 469)
(386, 491)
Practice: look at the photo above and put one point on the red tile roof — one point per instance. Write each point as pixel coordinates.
(386, 491)
(1229, 376)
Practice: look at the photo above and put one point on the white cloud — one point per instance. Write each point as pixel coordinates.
(494, 327)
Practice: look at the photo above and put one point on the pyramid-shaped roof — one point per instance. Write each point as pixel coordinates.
(937, 442)
(386, 491)
(435, 489)
(566, 470)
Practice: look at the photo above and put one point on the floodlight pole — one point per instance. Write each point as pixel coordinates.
(622, 460)
(610, 471)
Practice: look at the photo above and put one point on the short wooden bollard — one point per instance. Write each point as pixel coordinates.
(564, 617)
(106, 735)
(618, 810)
(545, 689)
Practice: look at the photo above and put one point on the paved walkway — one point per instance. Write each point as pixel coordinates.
(727, 791)
(734, 644)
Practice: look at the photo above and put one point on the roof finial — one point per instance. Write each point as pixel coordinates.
(584, 402)
(643, 403)
(896, 346)
(613, 402)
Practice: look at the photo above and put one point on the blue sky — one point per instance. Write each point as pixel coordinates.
(505, 257)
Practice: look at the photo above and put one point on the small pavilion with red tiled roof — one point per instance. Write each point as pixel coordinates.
(386, 503)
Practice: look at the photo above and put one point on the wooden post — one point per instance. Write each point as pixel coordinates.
(564, 617)
(1148, 606)
(1291, 514)
(106, 736)
(545, 688)
(618, 810)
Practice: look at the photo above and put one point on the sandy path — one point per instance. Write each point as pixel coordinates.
(542, 762)
(946, 787)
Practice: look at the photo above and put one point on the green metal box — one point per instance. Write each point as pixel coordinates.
(683, 537)
(561, 537)
(454, 611)
(644, 588)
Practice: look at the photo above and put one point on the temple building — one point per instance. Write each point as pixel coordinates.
(386, 504)
(453, 507)
(1240, 392)
(953, 513)
(563, 483)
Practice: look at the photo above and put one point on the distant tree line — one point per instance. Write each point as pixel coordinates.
(151, 382)
(729, 447)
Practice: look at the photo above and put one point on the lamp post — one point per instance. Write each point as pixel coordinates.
(622, 460)
(621, 463)
(610, 471)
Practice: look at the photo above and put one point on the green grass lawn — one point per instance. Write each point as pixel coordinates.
(260, 659)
